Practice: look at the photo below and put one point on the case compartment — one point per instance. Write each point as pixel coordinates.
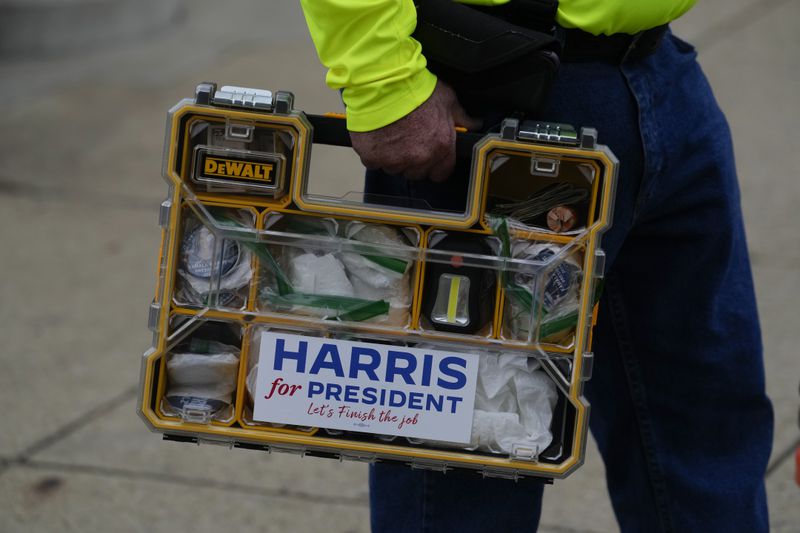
(213, 271)
(199, 374)
(459, 288)
(544, 309)
(541, 191)
(338, 269)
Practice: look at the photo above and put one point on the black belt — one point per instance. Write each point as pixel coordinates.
(581, 46)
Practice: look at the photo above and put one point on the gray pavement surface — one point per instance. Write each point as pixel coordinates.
(80, 157)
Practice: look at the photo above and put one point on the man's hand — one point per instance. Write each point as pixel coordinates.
(422, 143)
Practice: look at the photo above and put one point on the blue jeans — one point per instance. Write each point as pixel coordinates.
(679, 410)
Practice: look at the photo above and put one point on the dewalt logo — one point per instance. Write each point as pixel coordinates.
(219, 167)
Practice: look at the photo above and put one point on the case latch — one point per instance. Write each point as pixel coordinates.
(525, 453)
(544, 166)
(287, 449)
(358, 457)
(500, 474)
(547, 132)
(231, 95)
(196, 414)
(216, 442)
(427, 464)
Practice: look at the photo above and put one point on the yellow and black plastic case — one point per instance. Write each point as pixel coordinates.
(243, 232)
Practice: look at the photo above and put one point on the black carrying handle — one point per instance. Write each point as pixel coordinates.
(332, 130)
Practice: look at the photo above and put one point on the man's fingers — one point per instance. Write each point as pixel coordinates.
(421, 144)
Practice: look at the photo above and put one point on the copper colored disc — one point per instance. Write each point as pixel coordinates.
(561, 218)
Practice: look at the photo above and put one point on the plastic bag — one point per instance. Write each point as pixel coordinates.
(202, 379)
(559, 296)
(514, 403)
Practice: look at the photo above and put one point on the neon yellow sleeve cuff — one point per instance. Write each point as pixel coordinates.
(372, 107)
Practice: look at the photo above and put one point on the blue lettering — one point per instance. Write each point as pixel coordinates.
(334, 392)
(299, 356)
(321, 361)
(368, 368)
(405, 372)
(415, 400)
(315, 387)
(435, 402)
(454, 402)
(351, 393)
(445, 367)
(368, 396)
(396, 398)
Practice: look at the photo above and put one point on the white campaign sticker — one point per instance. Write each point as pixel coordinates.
(368, 387)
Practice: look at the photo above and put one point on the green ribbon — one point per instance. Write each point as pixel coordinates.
(389, 263)
(561, 323)
(348, 308)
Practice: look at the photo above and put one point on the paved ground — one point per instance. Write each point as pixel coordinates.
(80, 149)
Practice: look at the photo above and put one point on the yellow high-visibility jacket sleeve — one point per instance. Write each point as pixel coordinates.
(608, 17)
(370, 54)
(368, 50)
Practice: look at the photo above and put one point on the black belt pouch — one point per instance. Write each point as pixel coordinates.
(491, 63)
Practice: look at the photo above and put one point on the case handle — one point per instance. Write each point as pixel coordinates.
(331, 129)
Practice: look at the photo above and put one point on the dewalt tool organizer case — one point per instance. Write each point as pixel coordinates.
(374, 329)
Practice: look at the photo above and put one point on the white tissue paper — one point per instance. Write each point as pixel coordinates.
(514, 404)
(373, 281)
(206, 376)
(319, 274)
(216, 369)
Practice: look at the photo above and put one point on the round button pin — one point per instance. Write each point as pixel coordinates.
(198, 253)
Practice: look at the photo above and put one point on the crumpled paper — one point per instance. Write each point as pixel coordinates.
(319, 274)
(204, 379)
(373, 281)
(352, 275)
(514, 403)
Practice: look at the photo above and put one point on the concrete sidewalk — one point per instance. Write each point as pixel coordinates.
(80, 157)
